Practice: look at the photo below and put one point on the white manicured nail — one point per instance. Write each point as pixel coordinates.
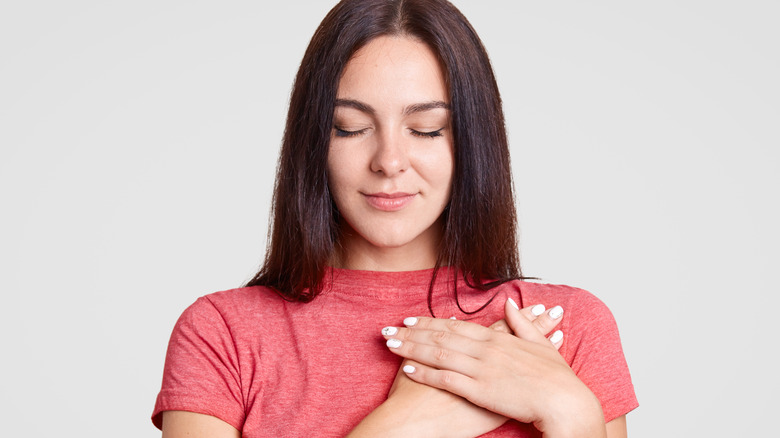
(389, 331)
(452, 317)
(556, 312)
(513, 303)
(410, 321)
(537, 309)
(556, 337)
(393, 343)
(408, 369)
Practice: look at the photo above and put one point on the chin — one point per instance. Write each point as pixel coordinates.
(397, 236)
(391, 239)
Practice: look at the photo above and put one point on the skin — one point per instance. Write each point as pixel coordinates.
(467, 379)
(181, 424)
(430, 412)
(391, 135)
(487, 368)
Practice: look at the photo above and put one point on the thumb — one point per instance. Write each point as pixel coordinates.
(520, 324)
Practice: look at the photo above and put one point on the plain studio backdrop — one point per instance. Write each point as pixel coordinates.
(138, 146)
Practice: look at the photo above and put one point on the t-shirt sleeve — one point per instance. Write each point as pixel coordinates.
(201, 372)
(593, 349)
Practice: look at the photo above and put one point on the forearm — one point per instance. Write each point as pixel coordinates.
(390, 420)
(582, 418)
(396, 418)
(416, 410)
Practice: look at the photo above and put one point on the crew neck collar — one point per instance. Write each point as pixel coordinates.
(390, 284)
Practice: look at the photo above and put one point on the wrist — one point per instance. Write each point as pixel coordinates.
(578, 418)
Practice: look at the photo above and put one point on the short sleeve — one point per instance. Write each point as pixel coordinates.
(201, 372)
(593, 349)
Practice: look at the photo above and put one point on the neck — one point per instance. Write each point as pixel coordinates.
(355, 252)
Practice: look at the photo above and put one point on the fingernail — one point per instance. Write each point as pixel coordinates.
(556, 312)
(556, 337)
(452, 317)
(389, 331)
(410, 321)
(393, 343)
(537, 309)
(513, 303)
(408, 369)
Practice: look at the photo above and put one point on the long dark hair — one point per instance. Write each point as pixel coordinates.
(479, 224)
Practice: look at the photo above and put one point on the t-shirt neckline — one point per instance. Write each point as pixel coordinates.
(384, 283)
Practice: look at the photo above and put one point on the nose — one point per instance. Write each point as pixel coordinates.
(390, 155)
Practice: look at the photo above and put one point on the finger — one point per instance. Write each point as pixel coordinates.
(443, 379)
(434, 356)
(522, 327)
(547, 321)
(501, 326)
(463, 328)
(530, 312)
(557, 339)
(448, 340)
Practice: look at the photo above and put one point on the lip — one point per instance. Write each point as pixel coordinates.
(389, 201)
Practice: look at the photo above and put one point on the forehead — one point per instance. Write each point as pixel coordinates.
(391, 69)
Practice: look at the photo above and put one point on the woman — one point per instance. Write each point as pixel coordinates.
(393, 212)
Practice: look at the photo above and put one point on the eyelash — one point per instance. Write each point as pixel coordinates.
(432, 134)
(342, 133)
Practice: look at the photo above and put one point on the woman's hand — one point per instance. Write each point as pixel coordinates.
(521, 377)
(421, 410)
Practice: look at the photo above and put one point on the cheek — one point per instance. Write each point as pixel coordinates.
(437, 169)
(341, 172)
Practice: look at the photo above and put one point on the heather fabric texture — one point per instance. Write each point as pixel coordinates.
(273, 368)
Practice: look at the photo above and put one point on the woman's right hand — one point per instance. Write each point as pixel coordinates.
(415, 409)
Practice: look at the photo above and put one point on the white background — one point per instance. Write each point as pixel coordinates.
(139, 139)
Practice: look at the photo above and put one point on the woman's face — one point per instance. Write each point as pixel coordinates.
(390, 160)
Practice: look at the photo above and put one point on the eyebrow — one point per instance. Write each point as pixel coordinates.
(360, 106)
(426, 106)
(411, 109)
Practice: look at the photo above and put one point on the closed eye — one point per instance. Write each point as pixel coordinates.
(431, 134)
(344, 133)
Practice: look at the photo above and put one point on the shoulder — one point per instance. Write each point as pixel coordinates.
(236, 301)
(231, 309)
(207, 350)
(575, 300)
(586, 319)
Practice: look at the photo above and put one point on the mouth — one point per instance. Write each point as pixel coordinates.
(389, 201)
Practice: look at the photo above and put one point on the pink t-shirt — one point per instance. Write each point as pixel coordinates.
(273, 368)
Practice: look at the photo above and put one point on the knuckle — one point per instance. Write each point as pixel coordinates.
(501, 326)
(454, 324)
(440, 337)
(445, 380)
(440, 355)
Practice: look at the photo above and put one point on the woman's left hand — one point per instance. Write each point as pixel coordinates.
(520, 376)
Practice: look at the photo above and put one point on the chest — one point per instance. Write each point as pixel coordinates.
(318, 373)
